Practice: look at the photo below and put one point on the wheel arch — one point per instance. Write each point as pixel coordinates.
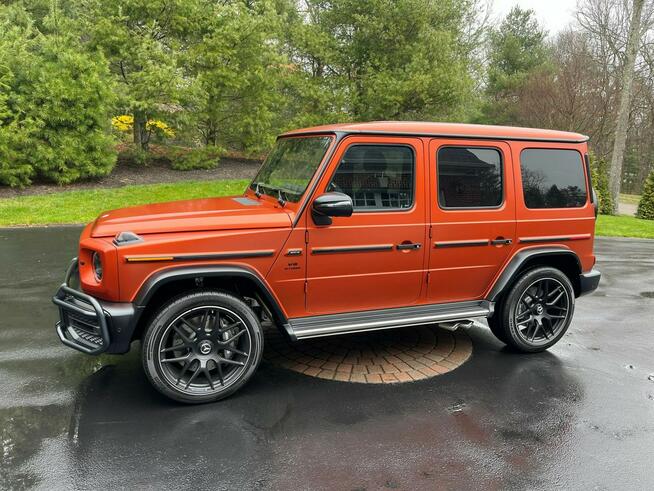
(561, 258)
(165, 284)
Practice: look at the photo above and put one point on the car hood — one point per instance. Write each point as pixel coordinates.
(228, 213)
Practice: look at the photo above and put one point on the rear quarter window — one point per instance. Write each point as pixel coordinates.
(553, 178)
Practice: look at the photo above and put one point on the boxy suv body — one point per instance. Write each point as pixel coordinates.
(346, 228)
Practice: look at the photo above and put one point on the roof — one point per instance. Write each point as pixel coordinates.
(452, 130)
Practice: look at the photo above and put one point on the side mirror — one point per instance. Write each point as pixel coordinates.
(330, 205)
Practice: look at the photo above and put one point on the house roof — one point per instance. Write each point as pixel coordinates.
(451, 130)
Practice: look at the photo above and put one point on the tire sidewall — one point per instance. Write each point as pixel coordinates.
(182, 304)
(511, 303)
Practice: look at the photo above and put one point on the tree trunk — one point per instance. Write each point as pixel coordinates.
(140, 131)
(622, 123)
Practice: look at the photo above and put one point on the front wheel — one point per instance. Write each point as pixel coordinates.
(537, 311)
(202, 347)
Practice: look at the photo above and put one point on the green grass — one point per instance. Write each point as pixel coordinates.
(632, 199)
(624, 226)
(85, 205)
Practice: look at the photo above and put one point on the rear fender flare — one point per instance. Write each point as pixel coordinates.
(513, 267)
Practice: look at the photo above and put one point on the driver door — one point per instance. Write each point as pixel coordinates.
(374, 259)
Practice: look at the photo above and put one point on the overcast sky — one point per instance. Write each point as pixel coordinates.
(554, 15)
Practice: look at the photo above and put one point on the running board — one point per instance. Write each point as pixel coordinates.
(371, 320)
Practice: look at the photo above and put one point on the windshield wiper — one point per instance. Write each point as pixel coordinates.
(281, 197)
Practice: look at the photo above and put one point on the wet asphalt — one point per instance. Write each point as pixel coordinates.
(580, 416)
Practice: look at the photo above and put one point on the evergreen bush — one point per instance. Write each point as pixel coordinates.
(646, 205)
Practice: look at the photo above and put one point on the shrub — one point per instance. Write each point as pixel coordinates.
(600, 177)
(198, 158)
(646, 205)
(133, 156)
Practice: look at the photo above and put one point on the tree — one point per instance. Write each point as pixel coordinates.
(600, 180)
(142, 40)
(517, 50)
(646, 205)
(55, 104)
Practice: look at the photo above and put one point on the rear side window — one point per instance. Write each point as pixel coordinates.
(469, 177)
(376, 177)
(552, 178)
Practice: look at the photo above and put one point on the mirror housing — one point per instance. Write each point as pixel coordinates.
(330, 205)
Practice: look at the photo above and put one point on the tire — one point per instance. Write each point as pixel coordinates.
(202, 347)
(536, 312)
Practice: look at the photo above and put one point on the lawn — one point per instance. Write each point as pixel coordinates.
(85, 205)
(624, 226)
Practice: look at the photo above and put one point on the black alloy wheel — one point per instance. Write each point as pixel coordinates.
(202, 347)
(537, 311)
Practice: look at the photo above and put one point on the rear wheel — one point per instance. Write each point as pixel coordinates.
(202, 347)
(536, 312)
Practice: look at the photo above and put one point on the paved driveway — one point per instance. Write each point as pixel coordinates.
(580, 416)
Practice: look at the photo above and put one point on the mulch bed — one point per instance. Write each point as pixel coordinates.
(123, 175)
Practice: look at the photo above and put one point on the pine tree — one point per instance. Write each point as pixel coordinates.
(646, 205)
(600, 179)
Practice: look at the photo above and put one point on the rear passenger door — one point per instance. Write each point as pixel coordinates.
(472, 217)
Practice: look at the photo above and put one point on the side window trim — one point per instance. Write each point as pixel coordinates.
(471, 208)
(586, 179)
(413, 181)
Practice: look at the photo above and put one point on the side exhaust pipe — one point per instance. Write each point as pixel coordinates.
(453, 326)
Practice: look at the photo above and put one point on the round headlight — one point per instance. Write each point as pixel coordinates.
(97, 266)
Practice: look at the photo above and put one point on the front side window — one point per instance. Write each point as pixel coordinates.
(289, 167)
(469, 177)
(552, 178)
(376, 177)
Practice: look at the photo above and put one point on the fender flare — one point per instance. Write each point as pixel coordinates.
(519, 259)
(160, 278)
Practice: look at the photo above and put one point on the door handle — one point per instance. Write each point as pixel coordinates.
(501, 241)
(408, 246)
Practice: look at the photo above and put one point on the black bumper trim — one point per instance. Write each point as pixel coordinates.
(588, 282)
(90, 325)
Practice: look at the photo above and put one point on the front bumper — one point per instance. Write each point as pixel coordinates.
(588, 282)
(90, 325)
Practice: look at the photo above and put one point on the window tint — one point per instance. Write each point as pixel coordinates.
(376, 177)
(469, 177)
(552, 178)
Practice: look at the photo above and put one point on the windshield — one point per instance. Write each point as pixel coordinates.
(289, 167)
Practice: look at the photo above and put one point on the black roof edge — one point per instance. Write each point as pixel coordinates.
(342, 133)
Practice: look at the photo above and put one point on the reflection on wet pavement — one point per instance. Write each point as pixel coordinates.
(573, 417)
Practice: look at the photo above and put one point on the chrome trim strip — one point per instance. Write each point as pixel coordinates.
(200, 257)
(349, 249)
(334, 324)
(550, 238)
(461, 243)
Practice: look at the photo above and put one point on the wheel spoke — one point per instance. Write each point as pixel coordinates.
(238, 351)
(233, 338)
(173, 360)
(220, 373)
(230, 362)
(192, 378)
(524, 313)
(182, 333)
(556, 300)
(208, 376)
(229, 327)
(175, 348)
(557, 316)
(183, 370)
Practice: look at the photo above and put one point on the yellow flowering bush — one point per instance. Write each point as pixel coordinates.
(125, 123)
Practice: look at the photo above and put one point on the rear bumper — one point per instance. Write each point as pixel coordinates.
(588, 282)
(90, 325)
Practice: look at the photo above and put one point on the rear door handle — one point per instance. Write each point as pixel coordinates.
(409, 246)
(501, 241)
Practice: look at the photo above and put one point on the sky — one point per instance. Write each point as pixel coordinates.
(554, 15)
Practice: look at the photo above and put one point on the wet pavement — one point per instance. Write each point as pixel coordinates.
(579, 416)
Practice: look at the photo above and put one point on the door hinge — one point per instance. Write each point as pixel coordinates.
(427, 278)
(430, 231)
(306, 286)
(306, 236)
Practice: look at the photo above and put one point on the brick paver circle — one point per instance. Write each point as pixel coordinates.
(380, 357)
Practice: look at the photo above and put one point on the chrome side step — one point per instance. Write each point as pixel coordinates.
(371, 320)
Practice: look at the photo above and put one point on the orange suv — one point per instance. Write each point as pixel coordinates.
(346, 228)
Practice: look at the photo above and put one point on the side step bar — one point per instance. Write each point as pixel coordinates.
(371, 320)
